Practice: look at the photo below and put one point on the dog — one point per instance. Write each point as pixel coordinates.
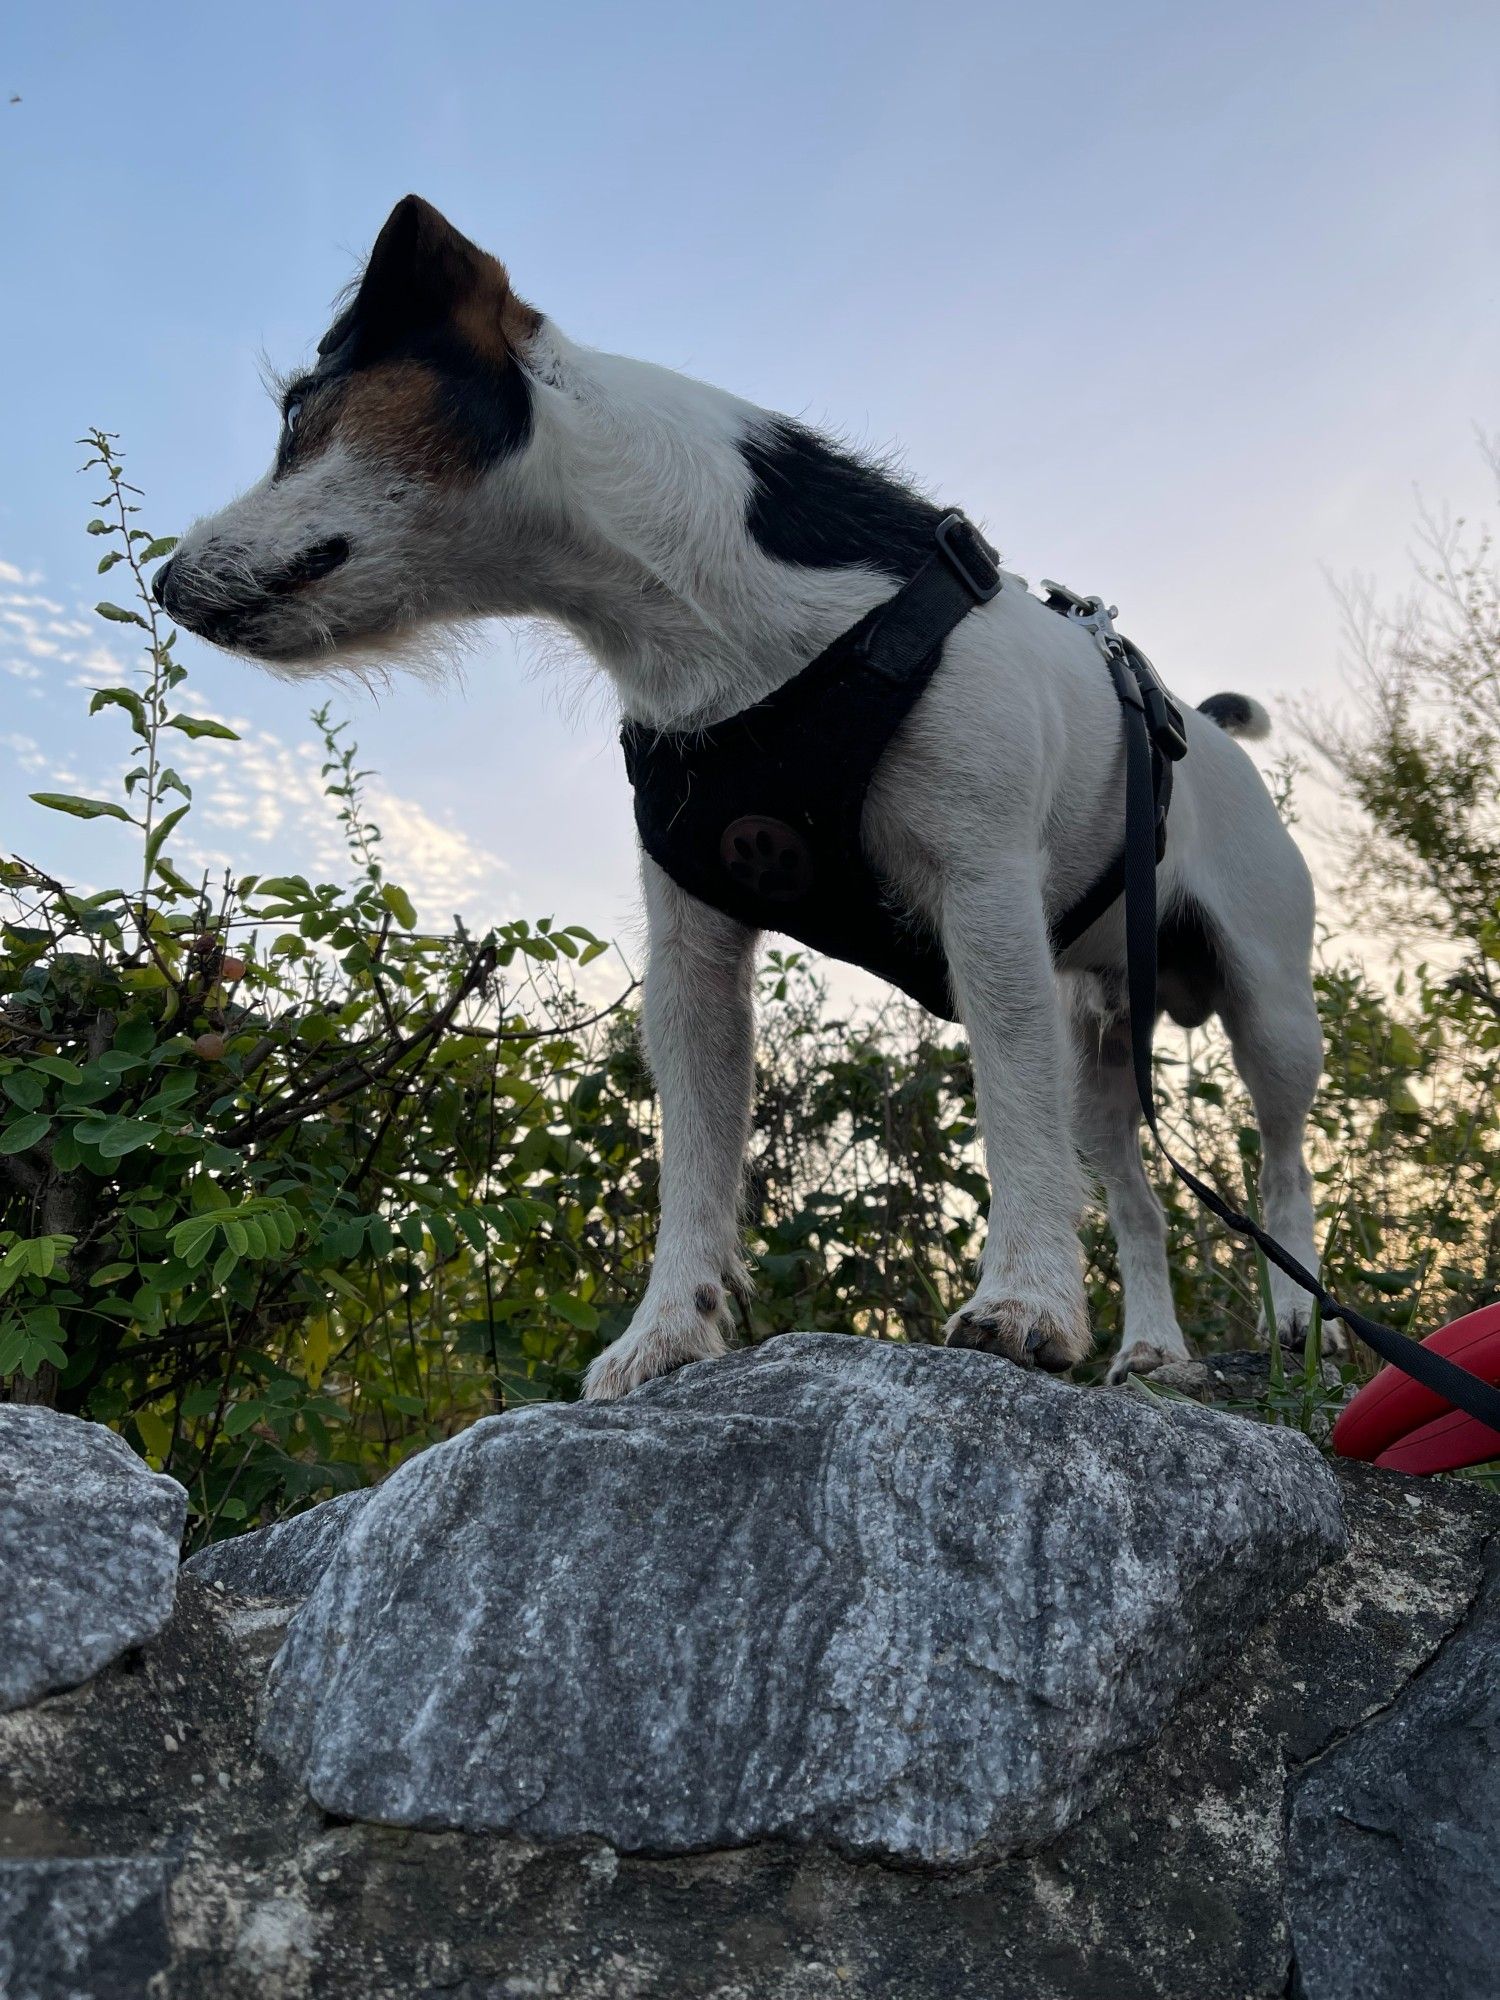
(451, 456)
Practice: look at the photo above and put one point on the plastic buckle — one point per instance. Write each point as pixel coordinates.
(1163, 716)
(969, 555)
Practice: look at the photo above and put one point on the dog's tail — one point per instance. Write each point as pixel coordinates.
(1237, 715)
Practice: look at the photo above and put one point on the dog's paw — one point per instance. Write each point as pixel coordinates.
(1293, 1328)
(1174, 1365)
(1028, 1334)
(643, 1352)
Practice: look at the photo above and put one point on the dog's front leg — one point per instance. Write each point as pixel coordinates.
(698, 1014)
(1030, 1304)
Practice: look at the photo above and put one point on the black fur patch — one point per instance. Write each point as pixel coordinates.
(826, 509)
(1230, 711)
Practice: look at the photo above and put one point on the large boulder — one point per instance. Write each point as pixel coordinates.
(1394, 1881)
(284, 1560)
(1176, 1886)
(89, 1544)
(912, 1603)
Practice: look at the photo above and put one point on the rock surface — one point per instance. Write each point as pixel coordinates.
(1395, 1879)
(1174, 1888)
(72, 1928)
(912, 1603)
(284, 1560)
(89, 1546)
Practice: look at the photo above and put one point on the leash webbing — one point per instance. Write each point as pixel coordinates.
(1459, 1386)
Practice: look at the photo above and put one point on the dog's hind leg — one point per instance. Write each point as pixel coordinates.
(1274, 1031)
(699, 1020)
(1108, 1124)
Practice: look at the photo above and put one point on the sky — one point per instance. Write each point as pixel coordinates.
(1187, 305)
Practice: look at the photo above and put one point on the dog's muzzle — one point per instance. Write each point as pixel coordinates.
(222, 608)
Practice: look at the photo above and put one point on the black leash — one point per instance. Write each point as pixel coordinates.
(1148, 737)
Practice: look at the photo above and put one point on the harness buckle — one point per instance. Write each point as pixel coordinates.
(1163, 716)
(969, 555)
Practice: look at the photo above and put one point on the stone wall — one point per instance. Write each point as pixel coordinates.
(892, 1673)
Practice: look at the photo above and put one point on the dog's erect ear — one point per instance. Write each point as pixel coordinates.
(420, 271)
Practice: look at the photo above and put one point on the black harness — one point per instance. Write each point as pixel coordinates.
(759, 816)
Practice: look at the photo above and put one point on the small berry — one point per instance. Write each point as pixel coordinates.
(210, 1046)
(232, 968)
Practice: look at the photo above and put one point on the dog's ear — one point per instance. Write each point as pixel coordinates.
(419, 274)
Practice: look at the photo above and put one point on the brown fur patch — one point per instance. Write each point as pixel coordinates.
(394, 412)
(491, 319)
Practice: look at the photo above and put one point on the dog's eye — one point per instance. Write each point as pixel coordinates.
(291, 413)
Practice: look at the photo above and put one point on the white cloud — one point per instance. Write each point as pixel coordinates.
(259, 805)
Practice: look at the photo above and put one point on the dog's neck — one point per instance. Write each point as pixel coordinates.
(712, 549)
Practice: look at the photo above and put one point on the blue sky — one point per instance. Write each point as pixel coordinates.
(1184, 302)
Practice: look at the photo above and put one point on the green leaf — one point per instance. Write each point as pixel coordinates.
(285, 888)
(60, 1067)
(111, 1274)
(108, 562)
(574, 1311)
(399, 904)
(119, 1136)
(200, 725)
(473, 1228)
(154, 551)
(121, 697)
(65, 802)
(118, 615)
(160, 832)
(24, 1132)
(24, 1087)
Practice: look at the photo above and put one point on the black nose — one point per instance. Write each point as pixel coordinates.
(160, 585)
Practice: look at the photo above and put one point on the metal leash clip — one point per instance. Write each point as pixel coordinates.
(1090, 612)
(1163, 716)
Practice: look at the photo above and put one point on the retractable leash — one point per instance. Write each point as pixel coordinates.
(1153, 732)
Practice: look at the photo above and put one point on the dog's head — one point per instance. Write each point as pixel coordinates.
(371, 521)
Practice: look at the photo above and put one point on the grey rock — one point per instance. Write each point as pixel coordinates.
(89, 1546)
(82, 1929)
(1394, 1881)
(284, 1560)
(911, 1603)
(1175, 1887)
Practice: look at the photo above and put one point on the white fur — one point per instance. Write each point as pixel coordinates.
(623, 520)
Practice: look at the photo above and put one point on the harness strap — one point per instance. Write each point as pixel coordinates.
(1459, 1386)
(759, 815)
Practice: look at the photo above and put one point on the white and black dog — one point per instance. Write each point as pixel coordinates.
(453, 456)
